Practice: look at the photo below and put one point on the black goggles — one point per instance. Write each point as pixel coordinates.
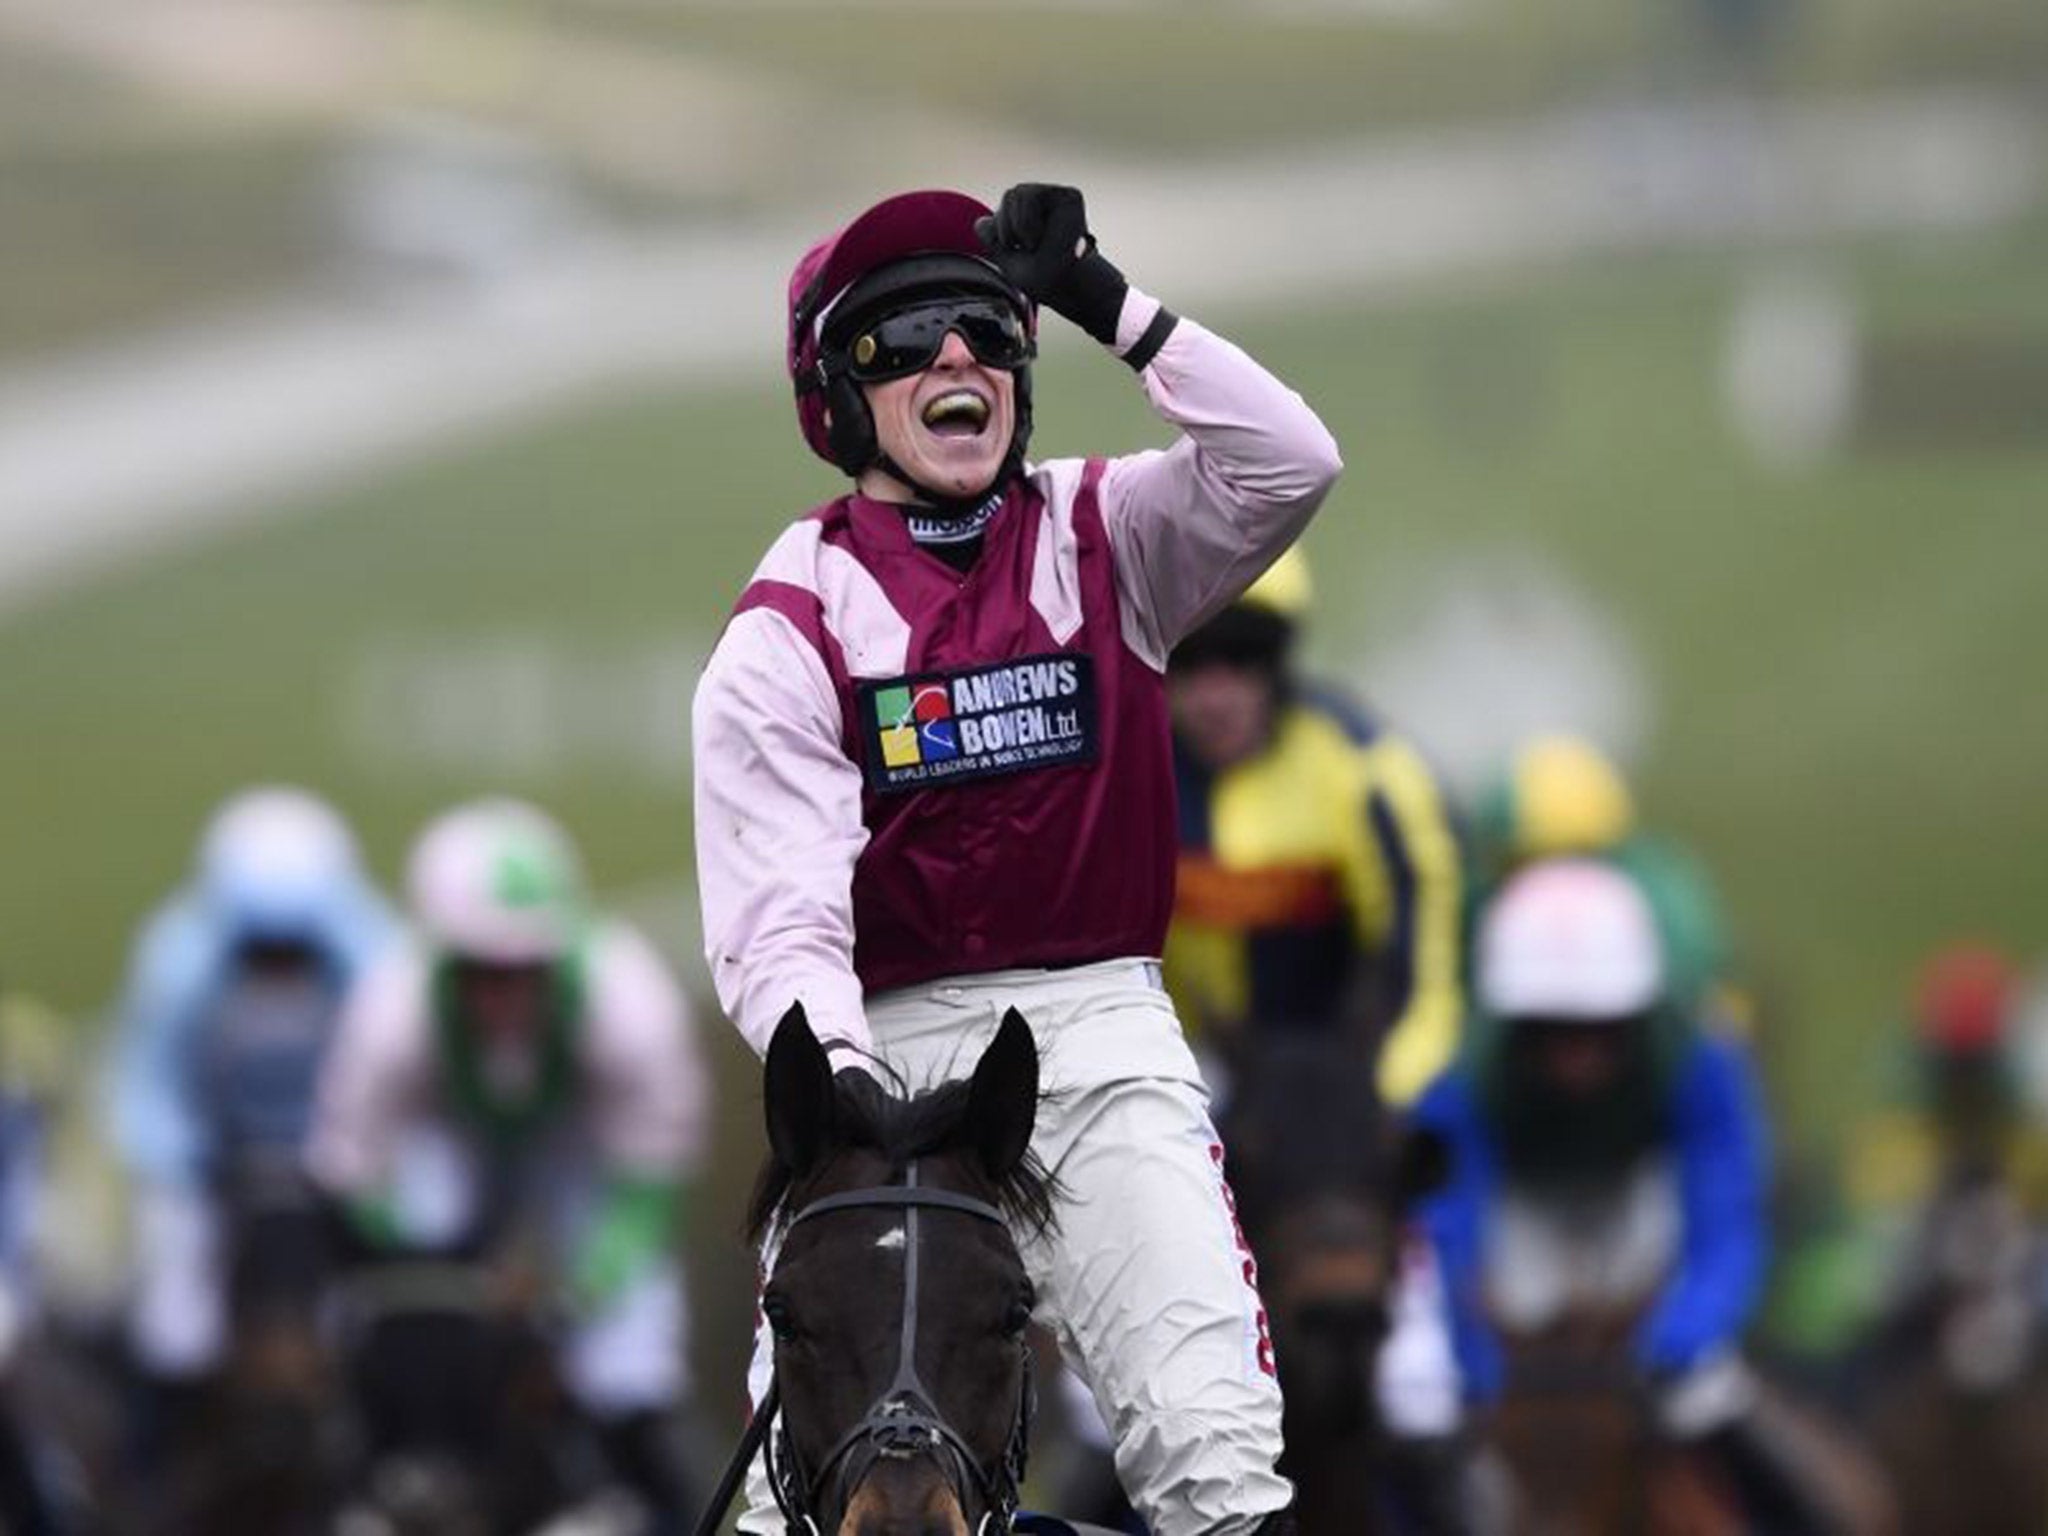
(906, 341)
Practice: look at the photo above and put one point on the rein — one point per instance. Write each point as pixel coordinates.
(905, 1420)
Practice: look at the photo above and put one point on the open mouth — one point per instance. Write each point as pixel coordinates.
(956, 413)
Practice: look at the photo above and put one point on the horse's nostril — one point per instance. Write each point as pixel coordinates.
(904, 1498)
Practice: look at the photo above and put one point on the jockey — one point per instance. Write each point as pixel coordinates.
(1608, 1150)
(1956, 1130)
(1319, 875)
(232, 995)
(1967, 1080)
(525, 1060)
(934, 776)
(1561, 796)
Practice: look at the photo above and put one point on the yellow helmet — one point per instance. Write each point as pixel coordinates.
(1284, 588)
(1568, 798)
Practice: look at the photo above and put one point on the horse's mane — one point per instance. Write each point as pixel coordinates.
(900, 1127)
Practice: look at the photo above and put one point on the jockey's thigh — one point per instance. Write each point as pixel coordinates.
(1145, 1280)
(630, 1356)
(178, 1322)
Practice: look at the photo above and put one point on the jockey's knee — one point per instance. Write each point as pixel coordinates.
(1708, 1395)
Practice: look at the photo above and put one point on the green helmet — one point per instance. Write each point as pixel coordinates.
(497, 880)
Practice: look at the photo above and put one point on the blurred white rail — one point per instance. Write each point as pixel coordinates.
(109, 455)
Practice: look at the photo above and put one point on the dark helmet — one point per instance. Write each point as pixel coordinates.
(1259, 627)
(914, 244)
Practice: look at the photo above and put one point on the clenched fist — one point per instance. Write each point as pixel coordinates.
(1039, 236)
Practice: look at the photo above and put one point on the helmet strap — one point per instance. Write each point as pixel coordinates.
(851, 430)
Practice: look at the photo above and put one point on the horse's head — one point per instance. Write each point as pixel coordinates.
(898, 1300)
(1323, 1176)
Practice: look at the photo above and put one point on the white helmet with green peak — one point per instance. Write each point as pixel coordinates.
(497, 880)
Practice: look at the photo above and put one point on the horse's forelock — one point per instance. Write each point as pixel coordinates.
(900, 1126)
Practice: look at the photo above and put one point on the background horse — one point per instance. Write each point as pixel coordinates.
(1323, 1177)
(1576, 1431)
(1957, 1383)
(899, 1314)
(461, 1423)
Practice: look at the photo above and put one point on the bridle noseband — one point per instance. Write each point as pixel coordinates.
(905, 1421)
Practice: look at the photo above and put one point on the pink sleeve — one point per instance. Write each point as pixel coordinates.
(644, 1059)
(778, 830)
(1193, 525)
(371, 1078)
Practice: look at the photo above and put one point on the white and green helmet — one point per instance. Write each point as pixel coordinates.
(497, 880)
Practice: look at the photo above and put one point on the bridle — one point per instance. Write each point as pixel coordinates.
(904, 1422)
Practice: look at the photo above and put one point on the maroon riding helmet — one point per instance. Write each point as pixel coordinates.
(908, 246)
(1964, 999)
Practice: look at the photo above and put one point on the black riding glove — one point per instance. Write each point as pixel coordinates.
(1039, 236)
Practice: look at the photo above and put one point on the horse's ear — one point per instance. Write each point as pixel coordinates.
(1422, 1163)
(798, 1094)
(1002, 1099)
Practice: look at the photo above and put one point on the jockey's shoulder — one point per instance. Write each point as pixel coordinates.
(1334, 708)
(1345, 728)
(1717, 1033)
(626, 972)
(1447, 1098)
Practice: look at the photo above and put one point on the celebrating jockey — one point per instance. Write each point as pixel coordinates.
(234, 989)
(1608, 1152)
(525, 1060)
(934, 774)
(1319, 876)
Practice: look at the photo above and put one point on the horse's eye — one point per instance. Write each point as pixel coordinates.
(776, 1310)
(1019, 1316)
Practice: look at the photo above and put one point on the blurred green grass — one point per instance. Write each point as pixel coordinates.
(117, 209)
(1210, 78)
(1845, 658)
(120, 209)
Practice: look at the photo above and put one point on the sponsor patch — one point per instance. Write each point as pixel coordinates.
(941, 728)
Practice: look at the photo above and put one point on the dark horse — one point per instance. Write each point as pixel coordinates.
(1323, 1176)
(1579, 1441)
(898, 1299)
